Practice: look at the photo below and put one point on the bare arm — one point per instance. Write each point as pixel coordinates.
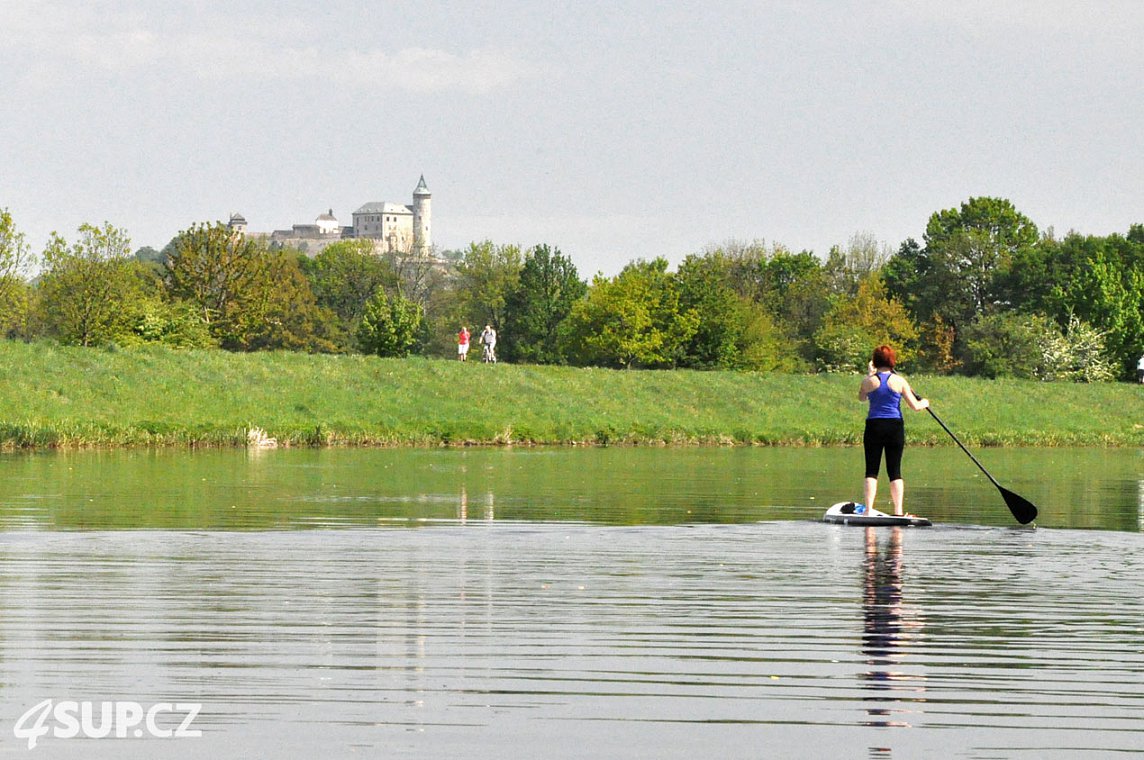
(869, 383)
(917, 404)
(902, 386)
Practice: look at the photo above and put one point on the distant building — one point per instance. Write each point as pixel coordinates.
(310, 238)
(237, 223)
(327, 223)
(395, 228)
(389, 222)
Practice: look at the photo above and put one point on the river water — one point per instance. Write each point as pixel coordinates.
(568, 604)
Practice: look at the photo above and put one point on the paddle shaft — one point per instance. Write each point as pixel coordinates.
(1023, 510)
(962, 445)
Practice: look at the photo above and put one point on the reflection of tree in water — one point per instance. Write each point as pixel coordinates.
(888, 624)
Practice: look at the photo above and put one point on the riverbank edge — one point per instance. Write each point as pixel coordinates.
(64, 398)
(18, 439)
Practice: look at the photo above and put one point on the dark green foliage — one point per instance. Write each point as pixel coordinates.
(703, 284)
(731, 332)
(150, 255)
(796, 291)
(984, 276)
(535, 308)
(1101, 281)
(1007, 344)
(786, 296)
(345, 275)
(967, 266)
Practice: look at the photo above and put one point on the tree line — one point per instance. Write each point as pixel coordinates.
(983, 293)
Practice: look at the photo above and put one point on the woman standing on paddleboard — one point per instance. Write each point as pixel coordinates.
(885, 429)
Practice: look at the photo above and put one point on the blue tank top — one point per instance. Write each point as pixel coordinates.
(885, 402)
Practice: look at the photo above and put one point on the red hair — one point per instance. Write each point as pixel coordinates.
(884, 356)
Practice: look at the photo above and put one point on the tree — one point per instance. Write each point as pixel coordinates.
(545, 292)
(250, 297)
(1100, 280)
(16, 309)
(91, 291)
(176, 324)
(390, 325)
(731, 331)
(214, 268)
(721, 319)
(418, 270)
(15, 256)
(631, 320)
(485, 277)
(863, 256)
(783, 274)
(1007, 344)
(344, 276)
(854, 326)
(797, 294)
(15, 259)
(966, 267)
(793, 290)
(762, 346)
(745, 264)
(935, 350)
(149, 254)
(996, 218)
(278, 311)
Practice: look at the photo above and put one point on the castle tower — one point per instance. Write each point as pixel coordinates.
(422, 215)
(237, 223)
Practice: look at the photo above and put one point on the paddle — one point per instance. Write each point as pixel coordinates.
(1023, 509)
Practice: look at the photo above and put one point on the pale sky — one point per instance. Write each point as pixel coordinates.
(613, 130)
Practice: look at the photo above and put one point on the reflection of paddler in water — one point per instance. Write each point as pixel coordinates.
(887, 624)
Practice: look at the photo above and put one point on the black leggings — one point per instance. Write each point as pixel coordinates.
(887, 435)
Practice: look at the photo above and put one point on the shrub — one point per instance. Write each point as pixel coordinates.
(1007, 344)
(1077, 355)
(390, 326)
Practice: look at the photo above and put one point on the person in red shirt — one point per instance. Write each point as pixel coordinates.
(463, 343)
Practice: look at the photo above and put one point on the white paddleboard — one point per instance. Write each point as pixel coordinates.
(850, 513)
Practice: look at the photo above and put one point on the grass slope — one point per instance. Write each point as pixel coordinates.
(53, 396)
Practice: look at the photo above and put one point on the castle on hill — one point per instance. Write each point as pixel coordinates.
(393, 227)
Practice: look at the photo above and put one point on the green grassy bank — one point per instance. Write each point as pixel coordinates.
(52, 396)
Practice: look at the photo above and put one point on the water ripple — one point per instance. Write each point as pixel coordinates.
(549, 639)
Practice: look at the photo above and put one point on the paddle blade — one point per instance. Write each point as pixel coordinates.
(1023, 509)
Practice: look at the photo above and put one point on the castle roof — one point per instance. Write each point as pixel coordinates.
(422, 188)
(327, 217)
(383, 207)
